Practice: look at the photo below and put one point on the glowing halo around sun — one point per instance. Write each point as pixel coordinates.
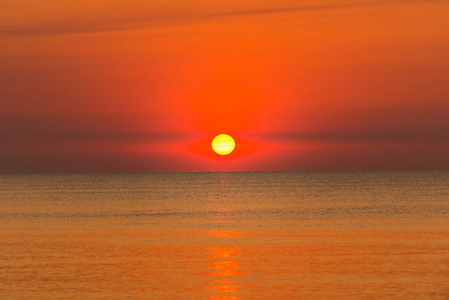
(223, 144)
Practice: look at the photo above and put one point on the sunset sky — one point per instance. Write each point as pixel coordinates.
(140, 86)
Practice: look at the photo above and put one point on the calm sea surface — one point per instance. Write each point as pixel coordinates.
(225, 236)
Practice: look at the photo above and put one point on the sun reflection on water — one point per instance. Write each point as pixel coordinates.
(225, 271)
(224, 298)
(224, 233)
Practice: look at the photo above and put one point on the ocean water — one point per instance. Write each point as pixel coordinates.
(225, 236)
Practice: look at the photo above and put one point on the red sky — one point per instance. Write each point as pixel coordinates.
(136, 86)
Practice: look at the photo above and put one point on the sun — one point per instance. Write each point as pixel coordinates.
(223, 144)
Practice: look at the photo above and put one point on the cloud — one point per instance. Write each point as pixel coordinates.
(393, 135)
(20, 129)
(150, 20)
(125, 136)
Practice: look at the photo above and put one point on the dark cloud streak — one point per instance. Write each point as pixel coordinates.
(365, 136)
(124, 136)
(82, 26)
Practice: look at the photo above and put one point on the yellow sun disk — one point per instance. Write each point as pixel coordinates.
(223, 144)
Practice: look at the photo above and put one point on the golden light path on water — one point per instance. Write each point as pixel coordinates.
(225, 271)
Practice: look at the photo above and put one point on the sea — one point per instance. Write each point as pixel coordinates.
(225, 236)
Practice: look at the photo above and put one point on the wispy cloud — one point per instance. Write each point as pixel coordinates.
(394, 123)
(156, 20)
(393, 135)
(82, 129)
(108, 136)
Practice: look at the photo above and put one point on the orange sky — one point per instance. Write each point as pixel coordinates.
(117, 85)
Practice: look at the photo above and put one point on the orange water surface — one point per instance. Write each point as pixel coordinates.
(225, 236)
